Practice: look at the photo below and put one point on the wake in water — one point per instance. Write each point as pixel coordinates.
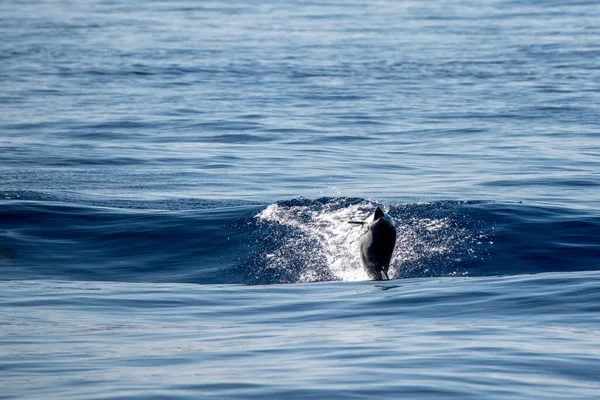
(307, 241)
(299, 240)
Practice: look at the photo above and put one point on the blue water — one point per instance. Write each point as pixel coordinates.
(176, 179)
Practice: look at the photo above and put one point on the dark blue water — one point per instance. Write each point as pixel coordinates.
(176, 180)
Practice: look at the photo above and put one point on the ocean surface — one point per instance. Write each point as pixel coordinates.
(177, 177)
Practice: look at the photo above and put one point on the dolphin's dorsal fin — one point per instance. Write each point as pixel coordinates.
(378, 214)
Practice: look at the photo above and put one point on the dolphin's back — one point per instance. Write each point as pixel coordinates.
(376, 247)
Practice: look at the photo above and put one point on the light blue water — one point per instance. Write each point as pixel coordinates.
(176, 180)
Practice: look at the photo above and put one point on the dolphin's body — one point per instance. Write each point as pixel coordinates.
(377, 244)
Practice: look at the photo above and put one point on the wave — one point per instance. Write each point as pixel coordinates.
(298, 240)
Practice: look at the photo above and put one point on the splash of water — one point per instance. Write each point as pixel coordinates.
(337, 239)
(326, 246)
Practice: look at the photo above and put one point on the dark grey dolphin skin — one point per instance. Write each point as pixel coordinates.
(377, 244)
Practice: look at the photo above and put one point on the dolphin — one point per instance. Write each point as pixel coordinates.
(377, 243)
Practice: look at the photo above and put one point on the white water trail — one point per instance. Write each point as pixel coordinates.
(329, 225)
(424, 247)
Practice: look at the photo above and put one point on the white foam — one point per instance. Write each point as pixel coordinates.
(329, 226)
(327, 238)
